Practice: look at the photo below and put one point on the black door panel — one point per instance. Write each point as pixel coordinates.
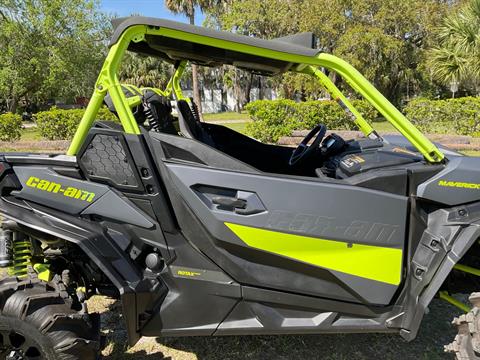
(344, 237)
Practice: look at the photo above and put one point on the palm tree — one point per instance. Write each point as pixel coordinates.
(457, 57)
(187, 8)
(144, 71)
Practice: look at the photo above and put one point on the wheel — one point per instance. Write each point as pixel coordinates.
(466, 345)
(40, 320)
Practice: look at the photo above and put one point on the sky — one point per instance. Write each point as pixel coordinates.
(153, 8)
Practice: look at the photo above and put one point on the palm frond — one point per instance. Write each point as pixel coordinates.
(457, 56)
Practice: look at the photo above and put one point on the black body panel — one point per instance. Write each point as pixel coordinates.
(211, 283)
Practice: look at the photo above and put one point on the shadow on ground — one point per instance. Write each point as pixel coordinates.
(435, 332)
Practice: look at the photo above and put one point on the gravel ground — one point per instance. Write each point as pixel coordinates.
(435, 332)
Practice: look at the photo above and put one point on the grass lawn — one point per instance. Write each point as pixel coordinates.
(30, 134)
(226, 116)
(383, 126)
(471, 152)
(435, 332)
(238, 127)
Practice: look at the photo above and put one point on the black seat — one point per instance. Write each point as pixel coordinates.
(190, 126)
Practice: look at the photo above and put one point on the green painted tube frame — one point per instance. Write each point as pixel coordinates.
(328, 84)
(108, 82)
(450, 299)
(444, 295)
(467, 269)
(173, 85)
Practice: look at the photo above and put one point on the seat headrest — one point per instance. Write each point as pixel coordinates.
(188, 123)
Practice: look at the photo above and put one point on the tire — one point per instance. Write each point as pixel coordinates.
(466, 345)
(40, 320)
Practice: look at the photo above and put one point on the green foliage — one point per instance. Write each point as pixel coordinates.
(59, 124)
(386, 40)
(273, 119)
(266, 19)
(50, 49)
(144, 71)
(460, 116)
(10, 127)
(457, 55)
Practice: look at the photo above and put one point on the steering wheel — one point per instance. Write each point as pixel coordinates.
(304, 150)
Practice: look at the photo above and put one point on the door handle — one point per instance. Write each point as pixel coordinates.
(239, 202)
(229, 202)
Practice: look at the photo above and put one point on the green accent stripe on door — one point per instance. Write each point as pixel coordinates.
(366, 261)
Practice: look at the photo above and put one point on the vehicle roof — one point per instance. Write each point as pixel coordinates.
(174, 49)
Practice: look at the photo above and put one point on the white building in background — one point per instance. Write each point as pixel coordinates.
(212, 99)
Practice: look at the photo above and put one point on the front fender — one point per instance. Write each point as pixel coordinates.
(450, 233)
(456, 184)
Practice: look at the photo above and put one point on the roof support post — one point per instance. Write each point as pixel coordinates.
(341, 100)
(108, 82)
(174, 82)
(358, 82)
(87, 120)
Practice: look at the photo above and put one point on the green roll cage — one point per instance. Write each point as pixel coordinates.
(108, 82)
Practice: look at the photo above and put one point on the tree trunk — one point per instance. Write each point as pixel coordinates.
(12, 107)
(248, 89)
(196, 90)
(334, 78)
(237, 91)
(261, 92)
(224, 106)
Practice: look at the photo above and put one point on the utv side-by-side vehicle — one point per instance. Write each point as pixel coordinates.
(200, 230)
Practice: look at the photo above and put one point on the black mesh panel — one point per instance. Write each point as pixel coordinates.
(106, 158)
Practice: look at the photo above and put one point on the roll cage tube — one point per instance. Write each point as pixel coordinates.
(362, 124)
(173, 85)
(108, 82)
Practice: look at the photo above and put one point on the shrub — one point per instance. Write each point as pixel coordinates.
(58, 124)
(460, 116)
(10, 127)
(273, 119)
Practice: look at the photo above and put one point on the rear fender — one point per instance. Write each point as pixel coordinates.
(94, 242)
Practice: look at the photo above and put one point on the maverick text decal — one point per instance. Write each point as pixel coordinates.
(459, 184)
(56, 188)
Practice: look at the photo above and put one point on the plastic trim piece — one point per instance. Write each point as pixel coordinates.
(353, 259)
